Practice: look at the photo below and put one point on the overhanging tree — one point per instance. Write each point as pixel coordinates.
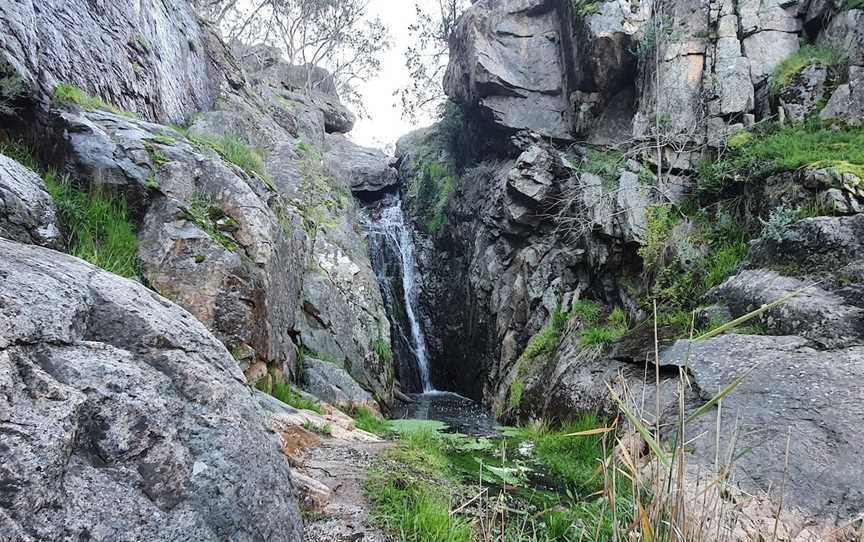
(333, 34)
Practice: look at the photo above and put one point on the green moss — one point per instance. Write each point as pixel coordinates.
(98, 226)
(805, 57)
(434, 186)
(66, 94)
(152, 183)
(163, 140)
(202, 211)
(739, 139)
(517, 391)
(854, 4)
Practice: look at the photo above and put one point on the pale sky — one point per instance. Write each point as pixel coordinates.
(385, 124)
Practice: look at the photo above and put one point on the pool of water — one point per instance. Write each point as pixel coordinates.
(461, 414)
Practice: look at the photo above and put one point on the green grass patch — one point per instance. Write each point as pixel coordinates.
(517, 391)
(98, 226)
(366, 420)
(660, 219)
(235, 150)
(282, 390)
(805, 57)
(383, 350)
(588, 312)
(601, 335)
(68, 94)
(416, 487)
(774, 149)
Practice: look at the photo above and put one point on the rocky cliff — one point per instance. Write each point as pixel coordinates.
(617, 161)
(229, 196)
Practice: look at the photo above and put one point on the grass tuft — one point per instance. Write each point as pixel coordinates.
(67, 94)
(806, 56)
(98, 226)
(368, 421)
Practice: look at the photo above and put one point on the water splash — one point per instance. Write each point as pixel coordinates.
(390, 225)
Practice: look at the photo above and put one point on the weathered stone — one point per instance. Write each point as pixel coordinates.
(155, 61)
(847, 102)
(329, 382)
(536, 174)
(505, 61)
(800, 98)
(361, 168)
(132, 421)
(27, 212)
(814, 313)
(844, 33)
(766, 50)
(788, 387)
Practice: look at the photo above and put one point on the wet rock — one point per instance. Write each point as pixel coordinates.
(27, 212)
(505, 61)
(132, 420)
(361, 168)
(153, 61)
(792, 387)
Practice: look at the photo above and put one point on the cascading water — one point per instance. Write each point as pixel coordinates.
(392, 252)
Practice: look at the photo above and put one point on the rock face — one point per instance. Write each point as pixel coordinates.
(27, 212)
(506, 63)
(794, 387)
(154, 59)
(365, 170)
(112, 394)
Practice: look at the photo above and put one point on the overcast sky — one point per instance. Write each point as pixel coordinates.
(385, 124)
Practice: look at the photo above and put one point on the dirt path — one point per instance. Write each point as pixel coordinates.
(342, 467)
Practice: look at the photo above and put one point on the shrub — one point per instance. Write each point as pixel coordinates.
(98, 226)
(776, 228)
(660, 221)
(434, 187)
(517, 391)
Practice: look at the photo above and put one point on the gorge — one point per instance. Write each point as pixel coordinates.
(625, 268)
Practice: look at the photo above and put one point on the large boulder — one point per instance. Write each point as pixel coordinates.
(364, 169)
(213, 238)
(505, 60)
(27, 212)
(332, 384)
(123, 417)
(789, 389)
(153, 59)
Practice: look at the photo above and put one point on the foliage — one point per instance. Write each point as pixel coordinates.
(584, 8)
(98, 226)
(338, 36)
(605, 164)
(739, 139)
(65, 94)
(805, 57)
(660, 221)
(599, 335)
(435, 185)
(427, 58)
(776, 228)
(203, 212)
(773, 149)
(546, 340)
(588, 312)
(325, 200)
(854, 4)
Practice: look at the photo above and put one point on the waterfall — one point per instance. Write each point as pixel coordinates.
(392, 253)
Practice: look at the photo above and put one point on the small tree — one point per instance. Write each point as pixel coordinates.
(427, 58)
(333, 34)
